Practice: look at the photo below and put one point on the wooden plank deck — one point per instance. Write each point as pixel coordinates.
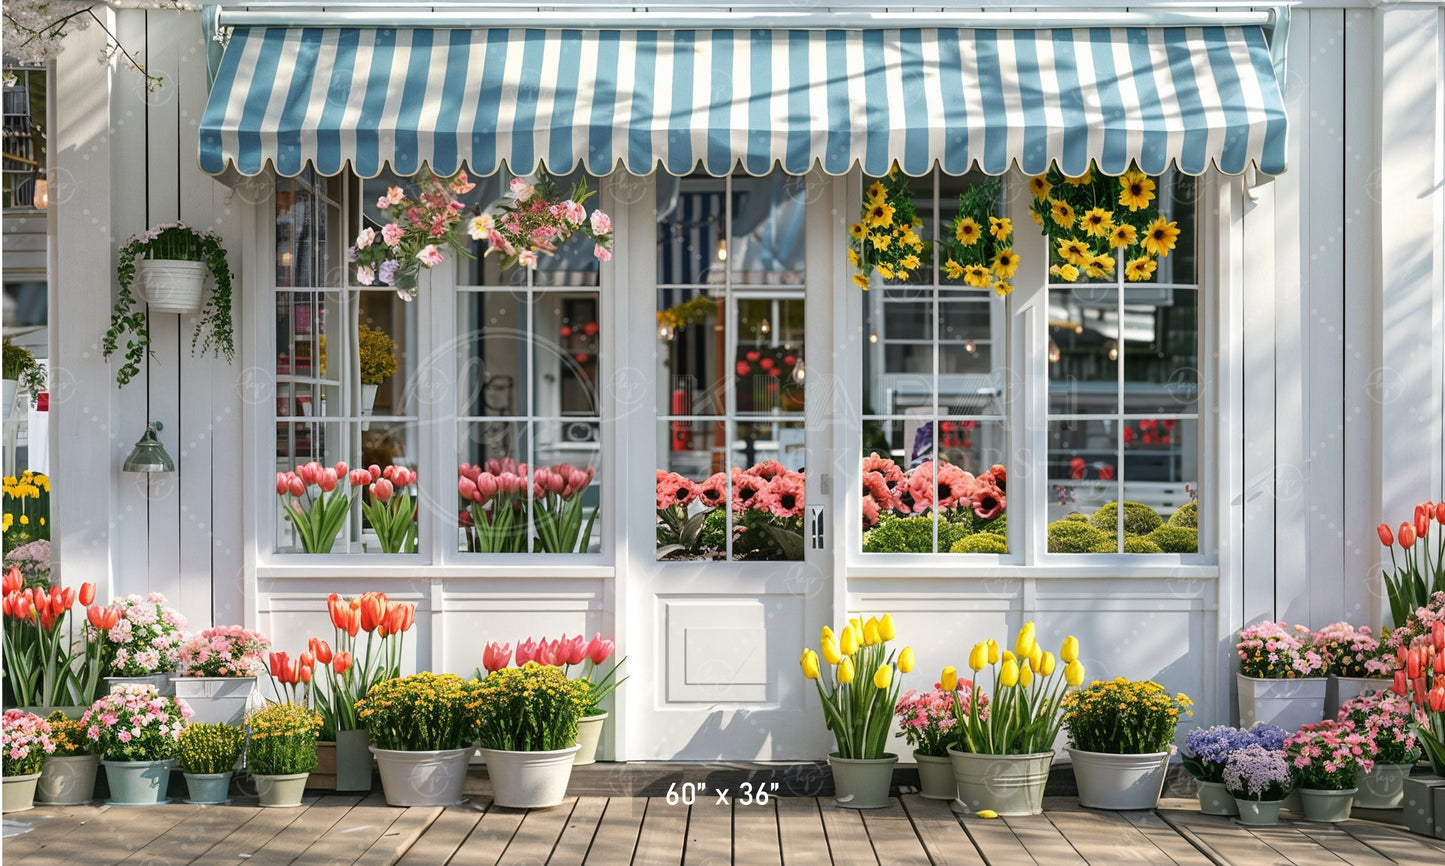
(338, 829)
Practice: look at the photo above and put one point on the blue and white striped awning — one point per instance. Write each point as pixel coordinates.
(1197, 97)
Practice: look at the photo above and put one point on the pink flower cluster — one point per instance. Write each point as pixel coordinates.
(538, 221)
(414, 238)
(386, 482)
(24, 740)
(562, 652)
(1352, 652)
(327, 478)
(1272, 650)
(504, 477)
(135, 723)
(926, 719)
(1390, 721)
(887, 487)
(224, 651)
(768, 487)
(564, 480)
(1330, 755)
(147, 635)
(1415, 631)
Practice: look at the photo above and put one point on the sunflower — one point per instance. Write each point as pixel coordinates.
(880, 214)
(1098, 222)
(1005, 263)
(861, 281)
(1136, 190)
(966, 231)
(1160, 236)
(1098, 267)
(1082, 179)
(1067, 273)
(952, 269)
(1037, 217)
(877, 192)
(1000, 227)
(1123, 235)
(909, 261)
(854, 259)
(978, 276)
(1003, 287)
(1039, 186)
(911, 240)
(1073, 251)
(1063, 213)
(1140, 269)
(857, 230)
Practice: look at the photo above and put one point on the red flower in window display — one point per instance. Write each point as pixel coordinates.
(318, 516)
(1077, 468)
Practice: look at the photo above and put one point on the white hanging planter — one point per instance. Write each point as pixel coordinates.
(171, 286)
(368, 402)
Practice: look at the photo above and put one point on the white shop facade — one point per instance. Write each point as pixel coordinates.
(1264, 372)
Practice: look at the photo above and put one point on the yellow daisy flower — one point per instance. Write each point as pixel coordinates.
(1136, 190)
(1003, 287)
(1005, 263)
(857, 230)
(876, 191)
(1073, 251)
(1098, 222)
(1063, 213)
(1123, 235)
(880, 215)
(978, 276)
(1140, 269)
(1068, 273)
(1160, 236)
(853, 258)
(861, 281)
(966, 231)
(1000, 227)
(952, 269)
(1039, 186)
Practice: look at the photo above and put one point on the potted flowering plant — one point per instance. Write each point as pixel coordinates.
(208, 754)
(145, 642)
(137, 729)
(27, 512)
(377, 353)
(858, 689)
(1121, 734)
(218, 670)
(1421, 675)
(926, 722)
(172, 261)
(527, 722)
(390, 510)
(1259, 779)
(281, 751)
(420, 232)
(1328, 758)
(68, 776)
(21, 370)
(1281, 676)
(422, 727)
(1355, 662)
(1390, 722)
(45, 667)
(1001, 760)
(538, 221)
(25, 741)
(1207, 751)
(1418, 577)
(318, 517)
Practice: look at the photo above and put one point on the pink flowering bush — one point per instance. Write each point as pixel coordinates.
(420, 232)
(146, 638)
(26, 740)
(1272, 650)
(1415, 630)
(765, 501)
(135, 723)
(926, 719)
(1352, 652)
(224, 651)
(1390, 721)
(1329, 756)
(966, 504)
(538, 221)
(496, 507)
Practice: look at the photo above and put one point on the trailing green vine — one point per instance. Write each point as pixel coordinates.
(214, 332)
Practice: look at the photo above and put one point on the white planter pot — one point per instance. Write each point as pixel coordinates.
(1341, 689)
(432, 778)
(589, 734)
(529, 780)
(280, 791)
(1010, 785)
(1283, 703)
(368, 402)
(215, 700)
(1383, 787)
(171, 286)
(1108, 781)
(68, 781)
(1215, 799)
(162, 682)
(18, 793)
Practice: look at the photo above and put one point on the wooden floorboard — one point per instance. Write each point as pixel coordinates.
(541, 828)
(942, 834)
(302, 833)
(664, 833)
(351, 837)
(1344, 846)
(490, 838)
(755, 835)
(445, 835)
(187, 841)
(892, 835)
(571, 849)
(1166, 839)
(1225, 839)
(47, 825)
(1299, 848)
(1407, 849)
(996, 841)
(710, 834)
(124, 829)
(616, 837)
(249, 837)
(847, 837)
(800, 832)
(1103, 838)
(403, 833)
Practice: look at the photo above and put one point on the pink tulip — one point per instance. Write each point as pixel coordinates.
(526, 651)
(327, 479)
(487, 486)
(282, 484)
(574, 649)
(495, 657)
(382, 490)
(599, 649)
(341, 468)
(374, 471)
(298, 487)
(358, 477)
(307, 472)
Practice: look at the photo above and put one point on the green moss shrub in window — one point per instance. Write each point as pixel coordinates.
(1186, 515)
(1139, 544)
(980, 542)
(1074, 536)
(1139, 519)
(1175, 539)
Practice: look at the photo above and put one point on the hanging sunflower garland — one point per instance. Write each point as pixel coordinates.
(979, 247)
(1093, 218)
(884, 238)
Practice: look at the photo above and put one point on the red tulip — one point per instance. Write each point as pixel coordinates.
(87, 594)
(1412, 664)
(1387, 537)
(599, 649)
(1437, 636)
(373, 610)
(308, 659)
(320, 650)
(573, 650)
(341, 468)
(1420, 691)
(526, 651)
(1440, 512)
(281, 668)
(353, 617)
(1407, 536)
(409, 619)
(1422, 520)
(1437, 699)
(1400, 687)
(21, 606)
(13, 580)
(303, 673)
(1439, 663)
(337, 607)
(47, 619)
(495, 657)
(341, 663)
(395, 619)
(67, 600)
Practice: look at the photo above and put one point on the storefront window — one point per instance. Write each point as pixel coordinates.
(730, 308)
(934, 370)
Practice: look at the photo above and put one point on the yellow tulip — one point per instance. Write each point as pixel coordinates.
(1009, 657)
(1024, 643)
(827, 634)
(845, 671)
(886, 628)
(810, 664)
(905, 660)
(948, 680)
(848, 644)
(883, 677)
(857, 625)
(1070, 650)
(1074, 672)
(1026, 675)
(831, 655)
(992, 651)
(1046, 666)
(871, 637)
(1036, 657)
(979, 657)
(1008, 675)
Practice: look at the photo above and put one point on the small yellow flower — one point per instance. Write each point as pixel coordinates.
(1160, 236)
(1123, 235)
(880, 241)
(853, 258)
(1074, 251)
(952, 269)
(1082, 179)
(885, 271)
(880, 215)
(909, 261)
(1039, 186)
(977, 276)
(1098, 222)
(861, 281)
(857, 230)
(1003, 287)
(1067, 273)
(876, 191)
(1038, 218)
(1062, 212)
(1140, 270)
(966, 231)
(1005, 263)
(1000, 227)
(1136, 190)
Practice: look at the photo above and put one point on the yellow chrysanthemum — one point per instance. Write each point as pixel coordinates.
(880, 214)
(952, 269)
(884, 271)
(1000, 227)
(1097, 222)
(1039, 186)
(857, 230)
(1005, 263)
(1160, 236)
(1074, 251)
(978, 276)
(1136, 190)
(1123, 235)
(966, 232)
(1140, 269)
(1062, 212)
(909, 261)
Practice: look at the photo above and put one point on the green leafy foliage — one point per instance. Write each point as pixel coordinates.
(1139, 519)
